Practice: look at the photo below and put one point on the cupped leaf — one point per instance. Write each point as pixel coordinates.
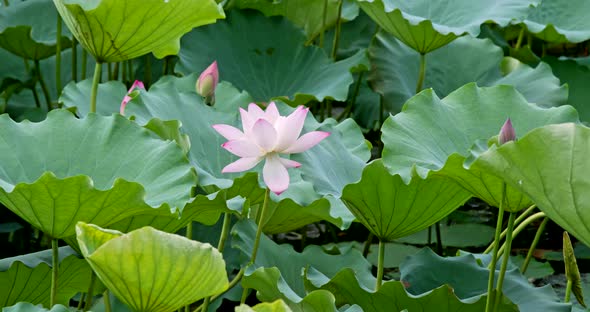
(28, 277)
(114, 31)
(468, 277)
(465, 60)
(314, 188)
(392, 296)
(433, 134)
(391, 209)
(256, 54)
(548, 165)
(63, 170)
(29, 307)
(425, 25)
(29, 29)
(560, 21)
(307, 14)
(150, 270)
(280, 268)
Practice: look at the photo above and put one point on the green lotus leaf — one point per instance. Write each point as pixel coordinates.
(548, 165)
(459, 235)
(28, 277)
(109, 97)
(433, 134)
(29, 29)
(465, 60)
(575, 73)
(307, 14)
(278, 270)
(315, 186)
(275, 306)
(150, 270)
(560, 21)
(392, 296)
(255, 53)
(114, 31)
(425, 26)
(29, 307)
(390, 208)
(105, 169)
(468, 276)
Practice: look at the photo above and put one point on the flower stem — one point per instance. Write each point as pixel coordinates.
(231, 285)
(54, 271)
(261, 220)
(529, 255)
(421, 73)
(505, 258)
(519, 40)
(492, 267)
(95, 81)
(58, 56)
(107, 301)
(74, 59)
(220, 246)
(90, 293)
(380, 265)
(439, 245)
(367, 246)
(84, 63)
(350, 103)
(516, 222)
(521, 227)
(43, 85)
(337, 31)
(324, 17)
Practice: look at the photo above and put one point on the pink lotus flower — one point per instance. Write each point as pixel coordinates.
(266, 135)
(208, 81)
(130, 95)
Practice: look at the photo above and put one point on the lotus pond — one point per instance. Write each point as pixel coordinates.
(294, 155)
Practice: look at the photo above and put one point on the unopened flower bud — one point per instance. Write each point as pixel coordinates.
(507, 133)
(208, 81)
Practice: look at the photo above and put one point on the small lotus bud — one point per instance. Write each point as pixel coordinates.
(507, 133)
(207, 81)
(131, 94)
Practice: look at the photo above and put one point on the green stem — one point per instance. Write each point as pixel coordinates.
(116, 71)
(54, 271)
(505, 258)
(324, 17)
(124, 72)
(36, 97)
(380, 265)
(147, 74)
(90, 293)
(492, 267)
(439, 245)
(529, 255)
(352, 100)
(58, 56)
(6, 3)
(43, 85)
(521, 217)
(81, 302)
(109, 71)
(519, 229)
(367, 246)
(220, 245)
(520, 37)
(421, 73)
(95, 82)
(84, 63)
(337, 31)
(258, 235)
(74, 59)
(130, 73)
(107, 301)
(231, 285)
(189, 235)
(568, 291)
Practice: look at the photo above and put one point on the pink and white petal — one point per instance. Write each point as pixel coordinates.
(229, 132)
(306, 142)
(255, 111)
(275, 174)
(289, 163)
(243, 148)
(136, 84)
(247, 122)
(242, 164)
(290, 128)
(271, 113)
(264, 134)
(126, 100)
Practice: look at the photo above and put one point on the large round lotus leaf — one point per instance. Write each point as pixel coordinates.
(267, 58)
(150, 270)
(464, 60)
(315, 184)
(560, 21)
(392, 296)
(307, 14)
(549, 164)
(29, 29)
(468, 276)
(28, 277)
(100, 169)
(391, 209)
(114, 31)
(427, 25)
(437, 135)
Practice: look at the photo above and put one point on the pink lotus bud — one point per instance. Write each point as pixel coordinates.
(507, 133)
(131, 94)
(208, 81)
